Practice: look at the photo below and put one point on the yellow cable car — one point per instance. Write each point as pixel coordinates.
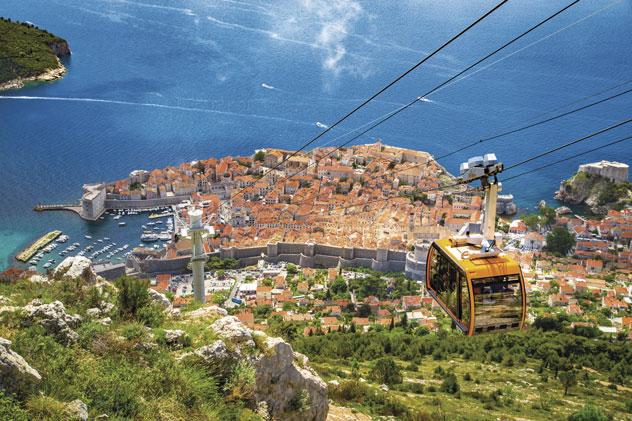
(480, 294)
(477, 285)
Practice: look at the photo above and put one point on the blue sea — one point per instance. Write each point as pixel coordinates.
(153, 83)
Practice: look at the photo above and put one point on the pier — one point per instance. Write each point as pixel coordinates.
(28, 252)
(76, 208)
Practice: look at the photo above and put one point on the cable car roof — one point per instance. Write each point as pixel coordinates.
(478, 267)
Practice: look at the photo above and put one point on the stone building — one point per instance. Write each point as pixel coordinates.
(614, 171)
(93, 201)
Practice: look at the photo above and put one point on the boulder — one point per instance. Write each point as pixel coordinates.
(93, 313)
(175, 338)
(280, 381)
(218, 357)
(77, 410)
(160, 299)
(76, 267)
(16, 375)
(231, 329)
(290, 389)
(210, 311)
(39, 279)
(106, 321)
(54, 319)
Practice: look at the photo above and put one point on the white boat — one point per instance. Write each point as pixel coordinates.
(164, 236)
(88, 237)
(117, 217)
(149, 237)
(122, 224)
(62, 238)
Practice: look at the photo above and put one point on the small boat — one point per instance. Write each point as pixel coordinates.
(88, 237)
(106, 238)
(122, 224)
(117, 217)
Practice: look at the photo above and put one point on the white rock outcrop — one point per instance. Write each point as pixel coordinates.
(290, 389)
(76, 267)
(16, 375)
(231, 329)
(54, 319)
(209, 311)
(77, 410)
(160, 299)
(175, 338)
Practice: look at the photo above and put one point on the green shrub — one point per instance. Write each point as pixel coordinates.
(300, 402)
(151, 315)
(46, 408)
(133, 331)
(588, 413)
(241, 384)
(10, 409)
(450, 384)
(386, 371)
(88, 332)
(133, 294)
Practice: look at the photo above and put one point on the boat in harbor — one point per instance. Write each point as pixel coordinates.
(148, 236)
(164, 236)
(122, 224)
(26, 254)
(62, 238)
(88, 237)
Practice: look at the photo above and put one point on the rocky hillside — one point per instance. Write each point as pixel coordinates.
(28, 53)
(599, 193)
(77, 347)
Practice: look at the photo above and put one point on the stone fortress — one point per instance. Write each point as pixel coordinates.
(613, 171)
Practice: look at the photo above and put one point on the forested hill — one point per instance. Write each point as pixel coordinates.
(27, 52)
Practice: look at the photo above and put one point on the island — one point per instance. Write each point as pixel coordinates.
(29, 54)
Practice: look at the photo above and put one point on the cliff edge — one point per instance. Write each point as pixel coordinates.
(601, 186)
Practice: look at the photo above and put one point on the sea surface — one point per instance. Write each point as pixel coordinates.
(153, 83)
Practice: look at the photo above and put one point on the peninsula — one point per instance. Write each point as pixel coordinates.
(29, 54)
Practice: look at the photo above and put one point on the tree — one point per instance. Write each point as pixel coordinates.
(568, 379)
(560, 241)
(133, 294)
(532, 221)
(339, 286)
(404, 321)
(364, 310)
(588, 413)
(450, 384)
(385, 371)
(547, 215)
(260, 155)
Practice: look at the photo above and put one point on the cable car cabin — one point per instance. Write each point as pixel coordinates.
(480, 294)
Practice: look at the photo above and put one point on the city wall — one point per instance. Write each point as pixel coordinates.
(111, 203)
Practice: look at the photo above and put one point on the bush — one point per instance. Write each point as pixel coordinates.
(588, 413)
(241, 384)
(46, 408)
(300, 402)
(467, 377)
(10, 409)
(450, 384)
(386, 371)
(133, 294)
(151, 315)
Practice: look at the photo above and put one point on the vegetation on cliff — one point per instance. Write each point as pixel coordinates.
(124, 356)
(27, 51)
(595, 191)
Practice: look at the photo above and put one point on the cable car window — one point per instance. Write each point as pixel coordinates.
(450, 285)
(497, 302)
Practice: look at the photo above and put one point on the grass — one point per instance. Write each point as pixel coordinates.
(25, 50)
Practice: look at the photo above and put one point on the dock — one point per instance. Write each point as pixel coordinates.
(76, 208)
(28, 252)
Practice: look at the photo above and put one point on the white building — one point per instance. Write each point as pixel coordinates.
(93, 201)
(614, 171)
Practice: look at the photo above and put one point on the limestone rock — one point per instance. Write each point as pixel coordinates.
(39, 279)
(231, 329)
(77, 410)
(161, 299)
(93, 313)
(219, 357)
(207, 312)
(145, 346)
(106, 321)
(54, 319)
(16, 375)
(279, 381)
(176, 338)
(76, 267)
(5, 300)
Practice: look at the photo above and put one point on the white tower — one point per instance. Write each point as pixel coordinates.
(198, 257)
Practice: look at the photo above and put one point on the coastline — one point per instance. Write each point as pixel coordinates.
(47, 76)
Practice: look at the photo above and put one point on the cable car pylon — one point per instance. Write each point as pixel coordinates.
(475, 283)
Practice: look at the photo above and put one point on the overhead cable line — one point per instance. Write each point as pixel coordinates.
(390, 84)
(548, 152)
(566, 159)
(565, 145)
(421, 98)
